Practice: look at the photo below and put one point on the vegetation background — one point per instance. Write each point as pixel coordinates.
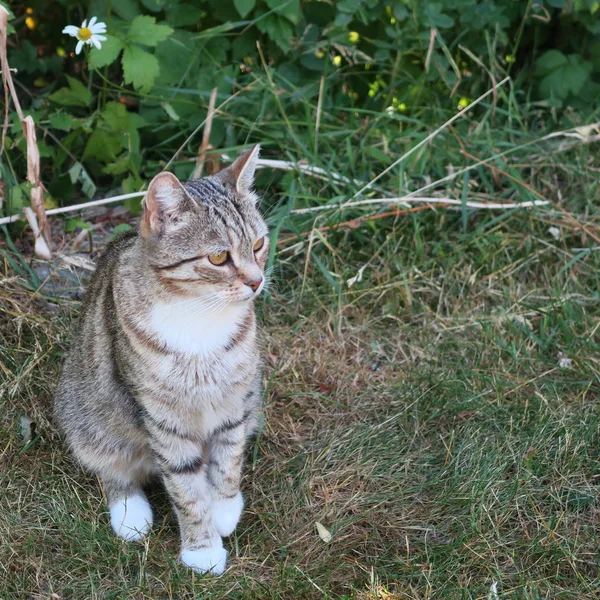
(433, 368)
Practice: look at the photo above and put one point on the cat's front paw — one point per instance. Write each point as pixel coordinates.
(226, 513)
(206, 560)
(131, 518)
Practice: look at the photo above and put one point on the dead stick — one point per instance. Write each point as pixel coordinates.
(41, 234)
(354, 223)
(205, 135)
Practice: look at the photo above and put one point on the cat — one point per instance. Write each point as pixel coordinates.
(164, 373)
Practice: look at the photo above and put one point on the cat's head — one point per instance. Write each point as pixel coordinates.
(206, 237)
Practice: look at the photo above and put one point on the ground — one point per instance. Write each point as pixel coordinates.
(438, 418)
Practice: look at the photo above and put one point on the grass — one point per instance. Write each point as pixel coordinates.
(440, 416)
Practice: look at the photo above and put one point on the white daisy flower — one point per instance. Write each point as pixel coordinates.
(88, 33)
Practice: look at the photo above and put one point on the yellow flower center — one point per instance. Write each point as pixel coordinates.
(84, 34)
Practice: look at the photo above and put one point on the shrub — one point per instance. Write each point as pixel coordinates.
(114, 116)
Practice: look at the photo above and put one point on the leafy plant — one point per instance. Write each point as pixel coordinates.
(121, 112)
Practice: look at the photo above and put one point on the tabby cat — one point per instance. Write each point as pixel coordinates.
(164, 374)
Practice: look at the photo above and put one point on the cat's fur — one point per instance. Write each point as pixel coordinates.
(164, 375)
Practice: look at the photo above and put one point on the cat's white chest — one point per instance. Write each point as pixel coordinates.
(187, 330)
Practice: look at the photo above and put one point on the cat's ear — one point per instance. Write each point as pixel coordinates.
(240, 175)
(165, 200)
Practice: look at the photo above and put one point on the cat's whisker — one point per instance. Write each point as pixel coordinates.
(207, 310)
(197, 306)
(203, 298)
(219, 308)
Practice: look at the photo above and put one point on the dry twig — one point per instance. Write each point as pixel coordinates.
(205, 145)
(41, 232)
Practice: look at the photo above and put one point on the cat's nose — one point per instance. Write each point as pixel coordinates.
(254, 284)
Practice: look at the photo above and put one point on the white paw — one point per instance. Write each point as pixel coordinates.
(226, 514)
(131, 518)
(208, 560)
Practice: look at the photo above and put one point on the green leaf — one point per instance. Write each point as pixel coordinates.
(550, 61)
(184, 15)
(120, 228)
(348, 6)
(111, 48)
(215, 51)
(126, 9)
(377, 154)
(290, 9)
(594, 52)
(244, 7)
(74, 95)
(73, 224)
(119, 119)
(78, 173)
(122, 165)
(155, 5)
(63, 121)
(140, 68)
(244, 45)
(278, 29)
(146, 32)
(174, 57)
(561, 75)
(102, 146)
(17, 198)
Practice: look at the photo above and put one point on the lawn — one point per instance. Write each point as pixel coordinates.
(430, 333)
(439, 416)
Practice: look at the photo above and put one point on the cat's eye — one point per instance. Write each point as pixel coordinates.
(258, 244)
(219, 258)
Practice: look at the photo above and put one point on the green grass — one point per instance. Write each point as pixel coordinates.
(422, 414)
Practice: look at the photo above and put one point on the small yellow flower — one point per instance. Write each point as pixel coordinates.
(337, 60)
(29, 10)
(510, 58)
(464, 102)
(30, 23)
(353, 37)
(60, 51)
(87, 34)
(402, 107)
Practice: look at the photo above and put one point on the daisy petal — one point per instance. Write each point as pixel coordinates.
(96, 43)
(92, 21)
(71, 30)
(84, 23)
(101, 38)
(98, 27)
(78, 47)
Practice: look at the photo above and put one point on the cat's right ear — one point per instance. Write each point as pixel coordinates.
(165, 200)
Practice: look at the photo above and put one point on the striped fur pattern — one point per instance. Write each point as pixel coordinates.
(164, 375)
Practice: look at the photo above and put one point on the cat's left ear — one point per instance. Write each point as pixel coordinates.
(240, 175)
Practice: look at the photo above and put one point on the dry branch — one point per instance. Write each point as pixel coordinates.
(41, 231)
(410, 199)
(205, 145)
